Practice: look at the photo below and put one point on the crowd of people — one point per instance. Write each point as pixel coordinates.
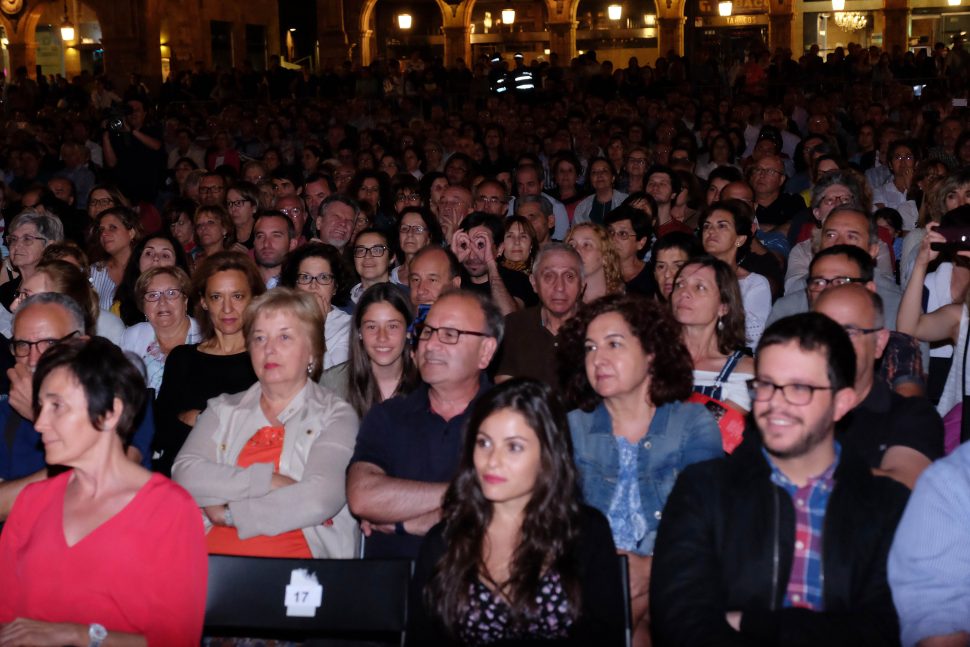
(712, 320)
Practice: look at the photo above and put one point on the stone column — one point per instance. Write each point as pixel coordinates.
(363, 54)
(670, 35)
(457, 44)
(23, 54)
(331, 36)
(779, 31)
(895, 33)
(562, 39)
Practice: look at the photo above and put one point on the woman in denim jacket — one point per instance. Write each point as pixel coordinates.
(626, 369)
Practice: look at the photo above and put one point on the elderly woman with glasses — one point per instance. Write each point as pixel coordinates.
(418, 228)
(29, 233)
(318, 269)
(163, 293)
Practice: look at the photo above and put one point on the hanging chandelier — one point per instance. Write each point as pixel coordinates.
(851, 20)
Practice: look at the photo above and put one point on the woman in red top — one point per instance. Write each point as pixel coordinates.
(107, 551)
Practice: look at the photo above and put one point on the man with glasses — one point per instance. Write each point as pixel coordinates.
(491, 197)
(274, 237)
(212, 190)
(897, 436)
(846, 223)
(41, 321)
(408, 447)
(293, 207)
(455, 203)
(785, 540)
(774, 208)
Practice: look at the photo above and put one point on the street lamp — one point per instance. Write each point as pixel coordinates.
(614, 11)
(508, 16)
(725, 8)
(67, 27)
(404, 21)
(838, 5)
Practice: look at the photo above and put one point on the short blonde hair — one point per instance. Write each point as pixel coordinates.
(303, 306)
(177, 273)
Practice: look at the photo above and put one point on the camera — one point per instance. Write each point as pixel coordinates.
(115, 117)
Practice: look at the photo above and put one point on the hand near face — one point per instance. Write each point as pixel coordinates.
(461, 245)
(926, 252)
(483, 248)
(21, 390)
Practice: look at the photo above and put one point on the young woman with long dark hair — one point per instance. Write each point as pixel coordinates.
(517, 555)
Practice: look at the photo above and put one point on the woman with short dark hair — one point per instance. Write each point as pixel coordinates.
(106, 551)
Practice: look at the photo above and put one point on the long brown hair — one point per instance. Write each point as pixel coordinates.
(364, 391)
(551, 521)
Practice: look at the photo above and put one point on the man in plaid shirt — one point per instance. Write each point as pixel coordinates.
(785, 541)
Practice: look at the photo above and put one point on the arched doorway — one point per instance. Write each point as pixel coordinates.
(617, 30)
(403, 27)
(68, 58)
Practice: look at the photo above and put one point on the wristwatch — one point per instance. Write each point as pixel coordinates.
(96, 634)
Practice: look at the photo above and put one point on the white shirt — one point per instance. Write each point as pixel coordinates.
(756, 297)
(336, 335)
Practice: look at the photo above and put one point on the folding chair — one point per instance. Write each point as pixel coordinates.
(361, 601)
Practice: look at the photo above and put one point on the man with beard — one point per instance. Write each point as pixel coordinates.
(337, 220)
(478, 243)
(275, 237)
(786, 540)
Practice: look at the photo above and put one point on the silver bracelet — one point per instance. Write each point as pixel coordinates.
(228, 517)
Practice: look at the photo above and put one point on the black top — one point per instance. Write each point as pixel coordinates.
(782, 210)
(886, 419)
(517, 283)
(601, 618)
(193, 378)
(643, 283)
(528, 349)
(406, 439)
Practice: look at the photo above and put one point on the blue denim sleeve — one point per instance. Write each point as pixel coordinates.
(703, 437)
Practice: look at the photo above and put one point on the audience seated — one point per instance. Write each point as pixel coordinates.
(106, 551)
(267, 465)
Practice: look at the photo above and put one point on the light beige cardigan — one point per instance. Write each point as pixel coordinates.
(321, 430)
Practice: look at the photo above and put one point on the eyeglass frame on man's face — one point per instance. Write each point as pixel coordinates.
(22, 344)
(450, 336)
(788, 391)
(814, 283)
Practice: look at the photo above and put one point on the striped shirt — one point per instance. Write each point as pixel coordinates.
(806, 580)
